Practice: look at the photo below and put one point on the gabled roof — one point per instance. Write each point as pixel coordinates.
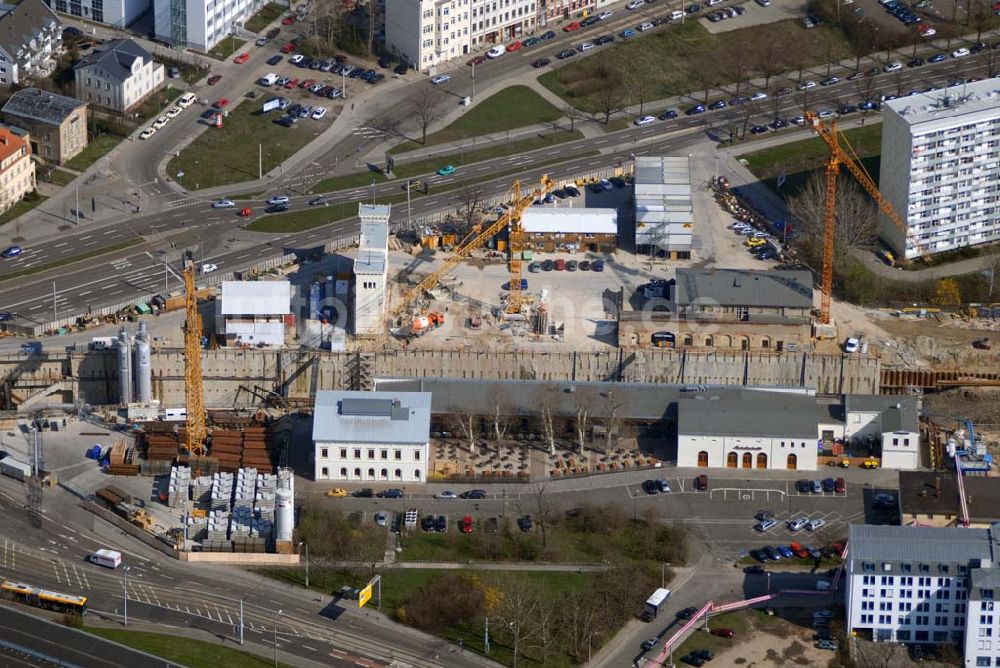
(116, 57)
(744, 287)
(930, 545)
(24, 22)
(753, 414)
(41, 106)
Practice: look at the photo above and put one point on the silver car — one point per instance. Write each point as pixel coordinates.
(797, 524)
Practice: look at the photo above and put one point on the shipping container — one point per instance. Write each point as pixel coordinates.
(15, 468)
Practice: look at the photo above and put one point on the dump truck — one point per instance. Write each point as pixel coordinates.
(425, 323)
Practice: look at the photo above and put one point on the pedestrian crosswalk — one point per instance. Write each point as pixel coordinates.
(368, 132)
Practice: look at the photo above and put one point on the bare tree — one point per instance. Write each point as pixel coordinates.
(611, 95)
(580, 620)
(747, 110)
(898, 78)
(865, 86)
(769, 60)
(583, 403)
(981, 18)
(572, 113)
(707, 79)
(879, 654)
(547, 625)
(613, 421)
(991, 60)
(425, 111)
(547, 402)
(991, 264)
(518, 609)
(856, 214)
(470, 200)
(638, 86)
(736, 65)
(500, 415)
(467, 422)
(541, 507)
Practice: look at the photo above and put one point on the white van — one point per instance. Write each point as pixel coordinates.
(676, 15)
(496, 51)
(108, 558)
(646, 26)
(268, 79)
(187, 99)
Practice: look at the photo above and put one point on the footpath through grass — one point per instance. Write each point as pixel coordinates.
(264, 17)
(221, 156)
(185, 651)
(509, 109)
(685, 59)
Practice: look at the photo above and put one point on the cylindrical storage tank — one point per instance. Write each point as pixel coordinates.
(124, 368)
(143, 368)
(284, 514)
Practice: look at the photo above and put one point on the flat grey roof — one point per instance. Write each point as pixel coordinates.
(929, 545)
(923, 493)
(745, 287)
(983, 578)
(41, 106)
(766, 414)
(948, 107)
(402, 418)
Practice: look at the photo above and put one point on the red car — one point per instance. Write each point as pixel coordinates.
(466, 524)
(723, 633)
(840, 486)
(221, 103)
(288, 20)
(514, 46)
(242, 58)
(214, 79)
(288, 48)
(306, 83)
(575, 25)
(246, 212)
(478, 60)
(291, 83)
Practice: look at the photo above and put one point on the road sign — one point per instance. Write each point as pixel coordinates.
(365, 595)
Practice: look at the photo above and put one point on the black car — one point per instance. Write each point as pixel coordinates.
(604, 39)
(693, 9)
(474, 494)
(803, 486)
(319, 201)
(696, 109)
(693, 660)
(845, 109)
(758, 129)
(585, 265)
(525, 524)
(756, 569)
(276, 208)
(385, 62)
(565, 53)
(589, 21)
(978, 48)
(272, 33)
(274, 60)
(402, 68)
(718, 104)
(560, 193)
(669, 113)
(687, 613)
(364, 493)
(548, 265)
(915, 62)
(287, 121)
(778, 123)
(650, 487)
(441, 524)
(572, 191)
(759, 555)
(392, 494)
(541, 62)
(427, 523)
(546, 36)
(704, 654)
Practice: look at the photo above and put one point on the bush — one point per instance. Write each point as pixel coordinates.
(446, 602)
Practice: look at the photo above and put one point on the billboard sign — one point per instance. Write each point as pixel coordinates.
(365, 595)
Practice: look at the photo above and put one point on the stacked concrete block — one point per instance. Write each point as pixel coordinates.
(222, 491)
(246, 487)
(201, 489)
(217, 529)
(178, 487)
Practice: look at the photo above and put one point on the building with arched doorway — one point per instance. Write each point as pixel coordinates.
(752, 430)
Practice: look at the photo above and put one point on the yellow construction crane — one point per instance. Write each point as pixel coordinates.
(838, 157)
(520, 200)
(195, 428)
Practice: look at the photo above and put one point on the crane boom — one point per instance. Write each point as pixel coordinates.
(511, 217)
(838, 157)
(195, 428)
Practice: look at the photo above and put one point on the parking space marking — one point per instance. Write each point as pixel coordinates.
(743, 494)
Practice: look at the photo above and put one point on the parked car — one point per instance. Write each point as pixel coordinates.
(441, 524)
(765, 525)
(474, 494)
(724, 633)
(645, 120)
(466, 524)
(815, 524)
(525, 524)
(755, 569)
(797, 524)
(446, 495)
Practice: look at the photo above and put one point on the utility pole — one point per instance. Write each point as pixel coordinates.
(260, 161)
(125, 575)
(54, 315)
(241, 621)
(486, 637)
(276, 639)
(408, 223)
(76, 211)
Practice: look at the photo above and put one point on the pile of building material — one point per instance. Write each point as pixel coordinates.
(264, 500)
(178, 486)
(258, 444)
(121, 460)
(227, 447)
(159, 446)
(201, 489)
(217, 532)
(222, 491)
(230, 420)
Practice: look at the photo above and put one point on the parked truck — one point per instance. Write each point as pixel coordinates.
(656, 602)
(15, 468)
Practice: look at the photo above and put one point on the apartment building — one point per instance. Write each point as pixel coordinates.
(118, 13)
(30, 40)
(553, 11)
(200, 24)
(17, 171)
(426, 33)
(117, 75)
(57, 124)
(940, 168)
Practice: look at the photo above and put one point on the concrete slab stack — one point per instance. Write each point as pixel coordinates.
(201, 489)
(246, 487)
(217, 530)
(222, 491)
(178, 487)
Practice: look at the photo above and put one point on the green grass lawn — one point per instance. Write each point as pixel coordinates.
(227, 48)
(264, 17)
(428, 165)
(303, 219)
(21, 208)
(156, 104)
(189, 73)
(221, 156)
(683, 60)
(810, 154)
(185, 651)
(348, 181)
(59, 177)
(98, 147)
(510, 108)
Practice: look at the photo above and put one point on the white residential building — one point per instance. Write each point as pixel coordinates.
(890, 421)
(30, 41)
(925, 585)
(119, 13)
(425, 33)
(253, 312)
(664, 214)
(200, 24)
(753, 429)
(371, 269)
(117, 75)
(940, 168)
(371, 436)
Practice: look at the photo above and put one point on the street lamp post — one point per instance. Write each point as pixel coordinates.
(306, 546)
(125, 609)
(276, 639)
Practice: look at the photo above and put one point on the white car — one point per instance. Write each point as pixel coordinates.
(758, 96)
(147, 133)
(446, 495)
(960, 53)
(645, 26)
(318, 113)
(586, 46)
(277, 199)
(765, 525)
(496, 51)
(645, 120)
(806, 85)
(296, 59)
(815, 524)
(224, 204)
(160, 122)
(799, 120)
(894, 66)
(635, 4)
(173, 112)
(381, 519)
(186, 100)
(440, 79)
(826, 113)
(208, 268)
(796, 524)
(852, 344)
(604, 16)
